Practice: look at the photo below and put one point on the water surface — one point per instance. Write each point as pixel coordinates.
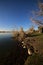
(6, 42)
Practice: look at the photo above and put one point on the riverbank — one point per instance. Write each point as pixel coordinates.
(12, 52)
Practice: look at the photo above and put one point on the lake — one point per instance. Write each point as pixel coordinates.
(4, 37)
(9, 50)
(6, 42)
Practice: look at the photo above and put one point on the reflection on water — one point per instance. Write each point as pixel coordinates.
(6, 42)
(10, 51)
(5, 35)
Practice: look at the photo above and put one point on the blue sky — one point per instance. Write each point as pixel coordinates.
(16, 13)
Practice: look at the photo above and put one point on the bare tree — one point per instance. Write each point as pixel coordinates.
(37, 14)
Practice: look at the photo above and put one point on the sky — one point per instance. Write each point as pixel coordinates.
(16, 13)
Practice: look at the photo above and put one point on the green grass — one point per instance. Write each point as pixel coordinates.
(38, 43)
